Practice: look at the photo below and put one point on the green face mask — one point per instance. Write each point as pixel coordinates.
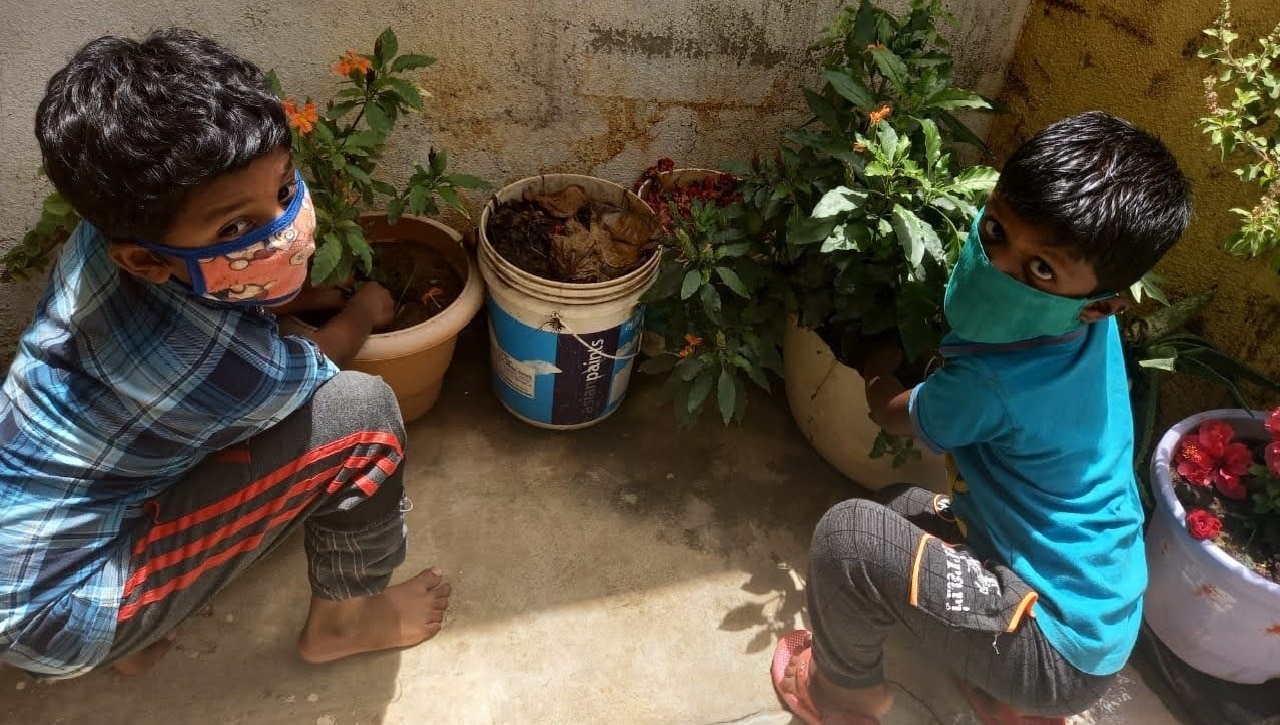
(987, 306)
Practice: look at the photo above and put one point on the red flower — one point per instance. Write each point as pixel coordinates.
(1203, 525)
(1208, 457)
(1272, 455)
(666, 165)
(1273, 423)
(1215, 436)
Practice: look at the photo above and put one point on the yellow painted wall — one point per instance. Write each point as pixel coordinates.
(1137, 59)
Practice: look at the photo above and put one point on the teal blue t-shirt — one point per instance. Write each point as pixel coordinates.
(1042, 436)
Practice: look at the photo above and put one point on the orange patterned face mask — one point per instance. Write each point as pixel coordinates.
(265, 267)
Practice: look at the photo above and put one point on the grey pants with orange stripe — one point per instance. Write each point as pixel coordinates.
(332, 469)
(876, 565)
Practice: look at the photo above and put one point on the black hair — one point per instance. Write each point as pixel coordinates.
(1104, 187)
(128, 128)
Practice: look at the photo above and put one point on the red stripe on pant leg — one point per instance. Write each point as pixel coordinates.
(364, 483)
(274, 478)
(168, 559)
(179, 583)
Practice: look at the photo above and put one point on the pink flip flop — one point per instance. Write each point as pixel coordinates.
(798, 647)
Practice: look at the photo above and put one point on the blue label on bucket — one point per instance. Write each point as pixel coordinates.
(556, 378)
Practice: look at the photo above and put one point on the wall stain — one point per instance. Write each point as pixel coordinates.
(1192, 46)
(1126, 25)
(1159, 87)
(1070, 6)
(744, 40)
(1086, 60)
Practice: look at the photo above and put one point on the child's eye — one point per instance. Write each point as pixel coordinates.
(287, 191)
(235, 229)
(1041, 270)
(992, 230)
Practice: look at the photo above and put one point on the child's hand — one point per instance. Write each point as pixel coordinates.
(374, 303)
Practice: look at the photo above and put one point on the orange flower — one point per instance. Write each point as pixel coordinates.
(693, 340)
(686, 352)
(351, 61)
(880, 114)
(303, 119)
(874, 46)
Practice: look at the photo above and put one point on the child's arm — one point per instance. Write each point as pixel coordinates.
(887, 399)
(368, 309)
(312, 298)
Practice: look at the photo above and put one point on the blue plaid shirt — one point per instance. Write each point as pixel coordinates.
(118, 389)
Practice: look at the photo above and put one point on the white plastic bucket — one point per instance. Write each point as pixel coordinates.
(562, 353)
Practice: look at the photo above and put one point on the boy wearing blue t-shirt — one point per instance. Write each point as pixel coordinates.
(158, 435)
(1028, 579)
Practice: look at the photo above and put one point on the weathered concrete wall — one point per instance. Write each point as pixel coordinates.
(1138, 60)
(521, 87)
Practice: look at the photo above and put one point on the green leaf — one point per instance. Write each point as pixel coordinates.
(407, 92)
(710, 302)
(377, 118)
(851, 89)
(692, 281)
(466, 181)
(975, 180)
(892, 67)
(701, 387)
(822, 110)
(384, 187)
(916, 237)
(325, 261)
(688, 368)
(395, 209)
(386, 46)
(932, 142)
(807, 230)
(888, 140)
(450, 196)
(733, 281)
(273, 83)
(726, 395)
(412, 61)
(341, 109)
(916, 311)
(56, 205)
(360, 248)
(952, 98)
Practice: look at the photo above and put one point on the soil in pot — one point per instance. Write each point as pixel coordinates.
(1250, 538)
(568, 237)
(420, 279)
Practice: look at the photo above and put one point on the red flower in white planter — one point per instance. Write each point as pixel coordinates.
(1209, 457)
(1203, 525)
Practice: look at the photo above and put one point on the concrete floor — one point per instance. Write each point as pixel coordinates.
(629, 573)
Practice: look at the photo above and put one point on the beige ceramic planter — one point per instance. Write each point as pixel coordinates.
(413, 361)
(829, 402)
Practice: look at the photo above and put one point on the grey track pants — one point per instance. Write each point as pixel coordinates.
(333, 469)
(876, 565)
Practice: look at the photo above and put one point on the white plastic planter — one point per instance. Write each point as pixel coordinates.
(1213, 612)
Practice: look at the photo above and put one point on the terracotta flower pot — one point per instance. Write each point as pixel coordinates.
(1216, 614)
(413, 361)
(829, 402)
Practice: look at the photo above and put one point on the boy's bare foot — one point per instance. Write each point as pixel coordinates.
(837, 705)
(144, 659)
(404, 615)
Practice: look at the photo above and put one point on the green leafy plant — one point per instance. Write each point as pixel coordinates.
(33, 254)
(867, 204)
(338, 151)
(1243, 99)
(712, 302)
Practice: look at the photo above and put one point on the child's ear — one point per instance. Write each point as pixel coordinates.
(1103, 309)
(140, 263)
